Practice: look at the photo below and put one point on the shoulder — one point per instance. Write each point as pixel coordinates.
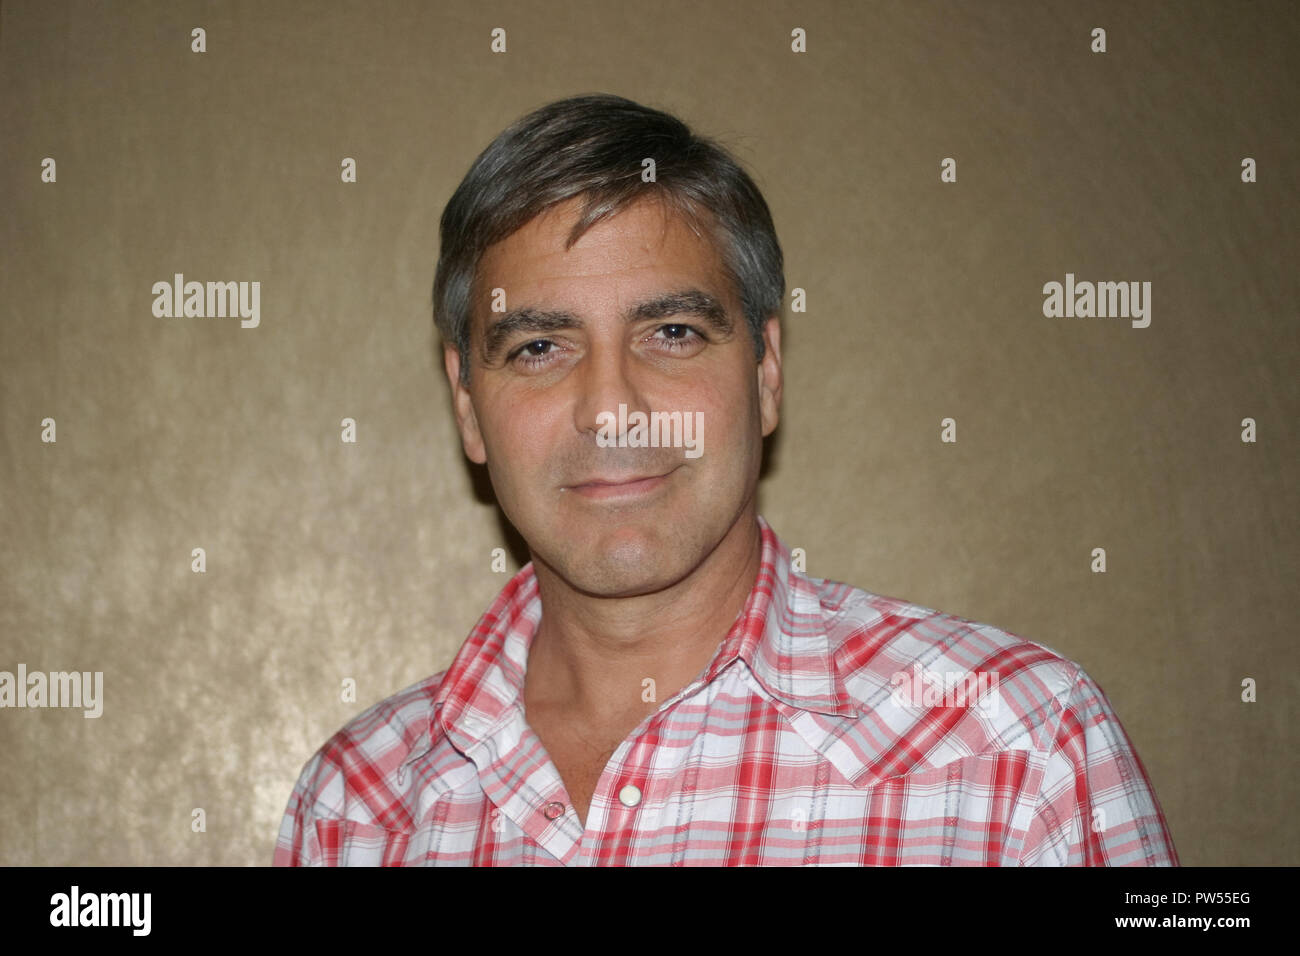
(891, 653)
(360, 762)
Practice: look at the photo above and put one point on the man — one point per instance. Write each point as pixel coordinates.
(659, 685)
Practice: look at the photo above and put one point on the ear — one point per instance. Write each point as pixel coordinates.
(466, 422)
(769, 376)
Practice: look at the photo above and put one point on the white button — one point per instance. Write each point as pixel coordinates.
(629, 796)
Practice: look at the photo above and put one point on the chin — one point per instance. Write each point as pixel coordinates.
(622, 564)
(617, 580)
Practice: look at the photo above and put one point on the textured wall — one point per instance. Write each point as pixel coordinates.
(327, 560)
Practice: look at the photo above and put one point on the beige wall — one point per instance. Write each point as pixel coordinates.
(371, 561)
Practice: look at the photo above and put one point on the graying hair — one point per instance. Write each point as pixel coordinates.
(591, 146)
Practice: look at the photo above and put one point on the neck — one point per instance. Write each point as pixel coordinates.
(591, 656)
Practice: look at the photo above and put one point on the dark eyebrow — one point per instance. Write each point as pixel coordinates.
(688, 302)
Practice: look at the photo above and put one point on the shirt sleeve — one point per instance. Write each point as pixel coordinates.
(1096, 806)
(297, 843)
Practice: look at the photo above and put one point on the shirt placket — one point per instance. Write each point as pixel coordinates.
(617, 818)
(525, 789)
(612, 816)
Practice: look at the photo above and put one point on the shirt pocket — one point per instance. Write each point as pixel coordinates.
(349, 843)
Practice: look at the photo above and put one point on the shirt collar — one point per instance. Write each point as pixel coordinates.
(779, 635)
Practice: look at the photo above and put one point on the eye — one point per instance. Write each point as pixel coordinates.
(682, 336)
(532, 354)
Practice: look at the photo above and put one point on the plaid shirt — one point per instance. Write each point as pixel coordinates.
(828, 729)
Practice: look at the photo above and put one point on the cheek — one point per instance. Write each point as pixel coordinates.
(520, 439)
(728, 419)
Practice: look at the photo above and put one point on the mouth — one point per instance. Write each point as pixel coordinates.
(602, 488)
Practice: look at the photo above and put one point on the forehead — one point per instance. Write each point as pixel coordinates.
(641, 246)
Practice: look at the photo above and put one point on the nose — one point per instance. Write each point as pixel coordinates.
(606, 378)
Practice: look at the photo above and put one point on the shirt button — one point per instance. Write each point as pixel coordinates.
(553, 810)
(629, 796)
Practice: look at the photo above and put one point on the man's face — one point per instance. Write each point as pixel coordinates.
(637, 313)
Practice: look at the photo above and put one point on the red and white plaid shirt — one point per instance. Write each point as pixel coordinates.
(828, 729)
